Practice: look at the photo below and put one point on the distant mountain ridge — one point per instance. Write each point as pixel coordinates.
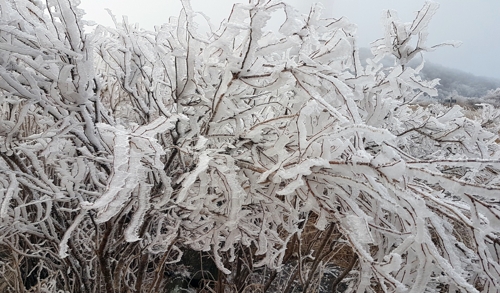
(452, 82)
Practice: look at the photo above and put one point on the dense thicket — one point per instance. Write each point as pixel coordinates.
(276, 154)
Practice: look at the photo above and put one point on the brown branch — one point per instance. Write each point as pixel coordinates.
(317, 258)
(143, 265)
(339, 279)
(102, 256)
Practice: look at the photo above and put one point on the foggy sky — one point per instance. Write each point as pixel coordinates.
(474, 22)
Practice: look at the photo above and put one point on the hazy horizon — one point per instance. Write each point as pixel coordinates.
(476, 23)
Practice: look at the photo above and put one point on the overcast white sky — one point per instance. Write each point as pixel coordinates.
(474, 22)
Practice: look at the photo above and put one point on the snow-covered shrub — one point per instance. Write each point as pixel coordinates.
(277, 150)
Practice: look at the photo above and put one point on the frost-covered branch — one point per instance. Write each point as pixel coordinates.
(124, 150)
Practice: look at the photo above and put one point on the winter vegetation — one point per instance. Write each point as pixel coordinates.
(240, 158)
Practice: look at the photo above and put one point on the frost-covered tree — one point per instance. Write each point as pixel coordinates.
(274, 152)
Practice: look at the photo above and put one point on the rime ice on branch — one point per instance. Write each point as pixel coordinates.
(122, 148)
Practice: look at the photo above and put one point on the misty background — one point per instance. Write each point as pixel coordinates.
(471, 70)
